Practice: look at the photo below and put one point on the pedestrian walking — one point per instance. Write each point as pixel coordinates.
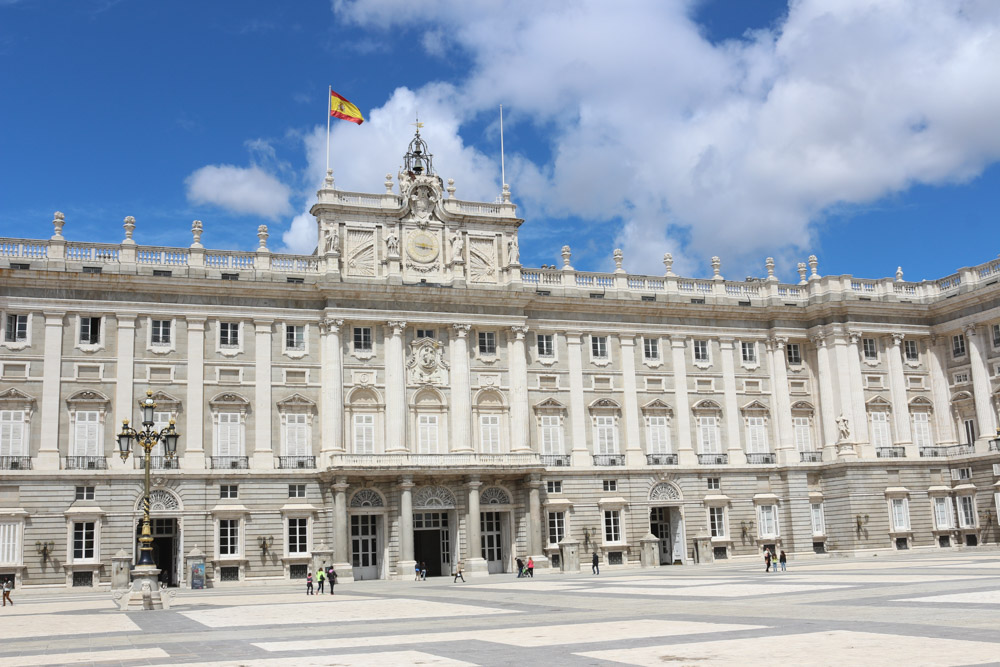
(320, 578)
(8, 586)
(767, 559)
(520, 567)
(309, 583)
(595, 564)
(423, 571)
(458, 573)
(782, 558)
(331, 577)
(531, 567)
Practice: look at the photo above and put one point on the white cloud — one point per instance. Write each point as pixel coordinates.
(249, 190)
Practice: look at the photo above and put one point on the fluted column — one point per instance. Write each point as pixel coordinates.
(406, 561)
(124, 380)
(827, 396)
(630, 399)
(937, 350)
(194, 406)
(731, 409)
(395, 392)
(985, 417)
(578, 411)
(341, 534)
(782, 404)
(860, 409)
(682, 407)
(535, 520)
(897, 392)
(332, 378)
(48, 449)
(263, 452)
(461, 413)
(474, 561)
(518, 390)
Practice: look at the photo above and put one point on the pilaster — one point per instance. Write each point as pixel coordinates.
(395, 390)
(682, 406)
(535, 525)
(897, 392)
(332, 378)
(981, 389)
(520, 441)
(474, 561)
(731, 408)
(48, 450)
(578, 411)
(937, 349)
(633, 445)
(857, 393)
(124, 380)
(827, 398)
(406, 562)
(341, 537)
(461, 389)
(193, 457)
(782, 404)
(263, 452)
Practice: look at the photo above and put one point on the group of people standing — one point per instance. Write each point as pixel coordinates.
(322, 575)
(525, 569)
(769, 560)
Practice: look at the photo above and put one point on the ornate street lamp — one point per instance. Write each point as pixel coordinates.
(148, 439)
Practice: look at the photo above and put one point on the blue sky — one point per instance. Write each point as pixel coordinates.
(866, 133)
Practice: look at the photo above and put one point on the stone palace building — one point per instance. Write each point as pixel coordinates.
(411, 394)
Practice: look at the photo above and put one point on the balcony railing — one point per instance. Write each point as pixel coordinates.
(458, 460)
(713, 459)
(232, 462)
(555, 460)
(158, 463)
(760, 459)
(810, 457)
(86, 463)
(15, 463)
(953, 450)
(661, 459)
(609, 459)
(296, 461)
(890, 452)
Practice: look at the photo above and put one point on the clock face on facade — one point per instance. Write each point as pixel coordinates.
(422, 247)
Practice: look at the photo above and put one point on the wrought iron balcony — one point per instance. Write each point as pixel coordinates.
(296, 461)
(760, 459)
(810, 457)
(233, 462)
(953, 450)
(609, 459)
(661, 459)
(86, 463)
(713, 459)
(555, 460)
(158, 463)
(454, 460)
(890, 452)
(15, 463)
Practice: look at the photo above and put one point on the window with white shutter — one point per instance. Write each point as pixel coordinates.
(364, 434)
(708, 435)
(659, 434)
(818, 520)
(803, 434)
(880, 429)
(967, 512)
(942, 513)
(229, 440)
(921, 429)
(605, 435)
(296, 435)
(489, 433)
(12, 433)
(10, 542)
(86, 437)
(900, 514)
(551, 435)
(756, 436)
(161, 420)
(427, 434)
(767, 520)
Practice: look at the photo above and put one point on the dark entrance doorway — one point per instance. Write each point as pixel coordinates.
(165, 539)
(432, 542)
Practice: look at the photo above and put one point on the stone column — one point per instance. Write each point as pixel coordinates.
(124, 384)
(535, 522)
(731, 408)
(827, 397)
(633, 445)
(897, 392)
(263, 452)
(48, 449)
(859, 427)
(474, 561)
(406, 562)
(461, 413)
(194, 406)
(341, 535)
(682, 408)
(937, 349)
(519, 438)
(332, 396)
(985, 417)
(783, 406)
(577, 408)
(395, 392)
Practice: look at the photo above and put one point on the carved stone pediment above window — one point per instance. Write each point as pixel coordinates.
(494, 495)
(229, 402)
(664, 491)
(657, 407)
(605, 405)
(426, 363)
(296, 403)
(879, 403)
(166, 403)
(88, 400)
(160, 500)
(433, 497)
(367, 498)
(550, 406)
(12, 399)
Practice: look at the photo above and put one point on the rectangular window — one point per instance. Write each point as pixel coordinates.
(995, 329)
(714, 483)
(942, 513)
(86, 434)
(803, 434)
(818, 521)
(756, 436)
(700, 350)
(717, 521)
(229, 537)
(364, 434)
(659, 434)
(793, 353)
(487, 343)
(362, 339)
(296, 490)
(612, 526)
(748, 350)
(557, 527)
(90, 330)
(605, 435)
(229, 334)
(961, 378)
(297, 435)
(427, 434)
(425, 333)
(958, 346)
(966, 512)
(650, 349)
(599, 347)
(17, 329)
(546, 345)
(229, 491)
(84, 533)
(553, 486)
(230, 430)
(610, 485)
(298, 536)
(551, 427)
(10, 544)
(870, 348)
(961, 474)
(84, 493)
(708, 435)
(900, 514)
(295, 337)
(160, 332)
(880, 429)
(768, 520)
(970, 431)
(922, 429)
(910, 350)
(489, 433)
(11, 432)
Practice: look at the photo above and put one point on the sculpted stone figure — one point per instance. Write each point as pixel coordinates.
(392, 243)
(513, 251)
(333, 240)
(457, 245)
(844, 426)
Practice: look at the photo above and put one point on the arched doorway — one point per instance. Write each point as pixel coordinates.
(434, 529)
(165, 525)
(367, 534)
(666, 522)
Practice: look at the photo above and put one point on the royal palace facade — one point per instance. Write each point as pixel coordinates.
(410, 393)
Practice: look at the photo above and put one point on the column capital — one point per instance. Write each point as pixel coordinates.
(854, 336)
(818, 339)
(473, 482)
(969, 330)
(261, 324)
(54, 318)
(574, 337)
(397, 326)
(726, 342)
(126, 321)
(534, 480)
(519, 331)
(340, 485)
(896, 337)
(777, 342)
(460, 330)
(331, 325)
(678, 340)
(627, 339)
(406, 482)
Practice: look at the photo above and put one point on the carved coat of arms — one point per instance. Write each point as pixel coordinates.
(426, 364)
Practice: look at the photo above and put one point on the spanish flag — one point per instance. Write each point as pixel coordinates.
(344, 110)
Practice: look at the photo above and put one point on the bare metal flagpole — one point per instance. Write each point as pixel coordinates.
(329, 96)
(503, 176)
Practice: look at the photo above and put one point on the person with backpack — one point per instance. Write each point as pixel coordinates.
(320, 578)
(331, 576)
(309, 583)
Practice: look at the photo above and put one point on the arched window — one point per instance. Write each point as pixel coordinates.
(363, 421)
(429, 422)
(491, 418)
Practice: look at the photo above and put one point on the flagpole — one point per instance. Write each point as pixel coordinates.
(329, 96)
(503, 177)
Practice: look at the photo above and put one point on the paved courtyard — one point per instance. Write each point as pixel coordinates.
(918, 609)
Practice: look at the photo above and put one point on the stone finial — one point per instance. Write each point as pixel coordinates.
(619, 256)
(566, 255)
(262, 236)
(196, 230)
(58, 220)
(813, 265)
(506, 194)
(899, 274)
(388, 184)
(451, 188)
(668, 263)
(328, 181)
(802, 273)
(769, 263)
(129, 228)
(716, 266)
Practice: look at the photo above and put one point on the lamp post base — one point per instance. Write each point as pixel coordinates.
(145, 591)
